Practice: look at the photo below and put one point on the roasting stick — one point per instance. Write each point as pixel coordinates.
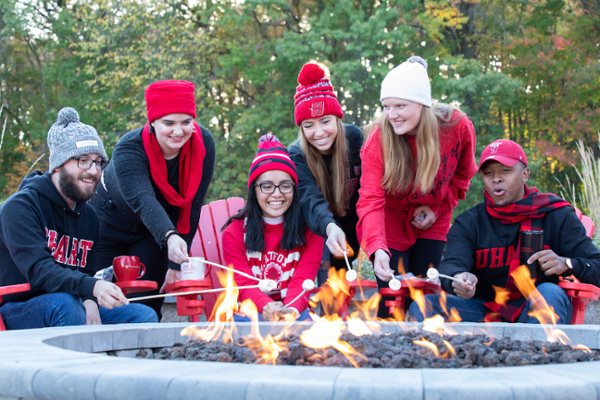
(433, 273)
(265, 284)
(351, 274)
(227, 268)
(307, 286)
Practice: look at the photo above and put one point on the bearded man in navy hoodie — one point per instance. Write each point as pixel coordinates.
(49, 235)
(483, 247)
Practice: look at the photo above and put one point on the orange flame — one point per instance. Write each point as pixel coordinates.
(325, 334)
(502, 294)
(225, 307)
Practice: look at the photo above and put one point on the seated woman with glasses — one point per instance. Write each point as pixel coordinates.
(152, 192)
(268, 238)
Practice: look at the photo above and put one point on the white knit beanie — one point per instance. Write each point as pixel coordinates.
(408, 81)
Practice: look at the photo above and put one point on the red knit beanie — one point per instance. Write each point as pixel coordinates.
(314, 95)
(271, 155)
(170, 97)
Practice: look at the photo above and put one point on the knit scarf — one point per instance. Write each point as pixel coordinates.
(191, 158)
(528, 211)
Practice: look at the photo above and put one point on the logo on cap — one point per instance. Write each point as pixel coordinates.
(494, 146)
(317, 109)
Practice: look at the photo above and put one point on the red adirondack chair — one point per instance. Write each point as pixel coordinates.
(581, 293)
(207, 242)
(4, 290)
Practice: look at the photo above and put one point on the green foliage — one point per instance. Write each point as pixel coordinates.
(523, 70)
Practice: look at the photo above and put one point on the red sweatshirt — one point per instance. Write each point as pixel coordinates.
(385, 219)
(288, 268)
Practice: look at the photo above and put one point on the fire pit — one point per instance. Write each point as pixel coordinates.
(59, 363)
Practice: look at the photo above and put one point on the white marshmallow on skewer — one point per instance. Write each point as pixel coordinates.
(433, 274)
(267, 285)
(307, 286)
(394, 283)
(351, 275)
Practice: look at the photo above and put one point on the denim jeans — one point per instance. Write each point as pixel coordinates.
(63, 309)
(474, 310)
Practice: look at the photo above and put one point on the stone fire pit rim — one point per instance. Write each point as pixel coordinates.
(59, 363)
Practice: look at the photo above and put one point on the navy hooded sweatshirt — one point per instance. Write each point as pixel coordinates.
(46, 243)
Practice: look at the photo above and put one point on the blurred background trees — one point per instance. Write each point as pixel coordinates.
(526, 70)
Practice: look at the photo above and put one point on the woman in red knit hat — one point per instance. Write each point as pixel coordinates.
(327, 156)
(152, 191)
(417, 163)
(268, 239)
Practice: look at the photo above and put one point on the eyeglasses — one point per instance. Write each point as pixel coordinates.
(86, 163)
(269, 188)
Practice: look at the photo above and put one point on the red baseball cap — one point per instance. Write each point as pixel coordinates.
(504, 151)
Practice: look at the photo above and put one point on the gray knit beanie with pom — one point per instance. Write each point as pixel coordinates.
(70, 138)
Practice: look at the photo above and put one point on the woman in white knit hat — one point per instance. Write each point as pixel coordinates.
(417, 164)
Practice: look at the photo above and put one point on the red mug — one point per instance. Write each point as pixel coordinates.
(127, 268)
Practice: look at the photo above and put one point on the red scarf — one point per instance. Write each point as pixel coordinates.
(191, 158)
(534, 206)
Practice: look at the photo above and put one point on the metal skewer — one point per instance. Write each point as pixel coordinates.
(227, 268)
(307, 286)
(157, 296)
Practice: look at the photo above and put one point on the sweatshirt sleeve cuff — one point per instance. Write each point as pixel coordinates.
(324, 223)
(87, 288)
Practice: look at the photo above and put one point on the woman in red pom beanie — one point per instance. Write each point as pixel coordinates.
(327, 155)
(418, 162)
(152, 191)
(268, 239)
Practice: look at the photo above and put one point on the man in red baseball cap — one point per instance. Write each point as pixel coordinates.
(484, 246)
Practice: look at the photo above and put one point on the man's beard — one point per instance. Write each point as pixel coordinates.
(68, 186)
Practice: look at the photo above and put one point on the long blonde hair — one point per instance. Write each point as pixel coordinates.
(333, 188)
(398, 158)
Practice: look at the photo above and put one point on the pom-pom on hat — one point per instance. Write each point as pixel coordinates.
(170, 97)
(504, 151)
(408, 81)
(271, 155)
(68, 138)
(314, 95)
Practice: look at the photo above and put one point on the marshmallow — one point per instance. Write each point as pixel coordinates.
(308, 285)
(395, 284)
(351, 275)
(432, 273)
(267, 285)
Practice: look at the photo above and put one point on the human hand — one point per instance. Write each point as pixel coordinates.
(109, 295)
(336, 240)
(465, 290)
(271, 311)
(290, 310)
(178, 251)
(381, 266)
(92, 314)
(423, 218)
(172, 276)
(325, 265)
(550, 262)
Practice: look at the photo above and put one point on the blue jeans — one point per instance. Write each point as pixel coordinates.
(242, 318)
(63, 309)
(474, 310)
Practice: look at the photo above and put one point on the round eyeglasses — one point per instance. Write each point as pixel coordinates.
(86, 163)
(269, 188)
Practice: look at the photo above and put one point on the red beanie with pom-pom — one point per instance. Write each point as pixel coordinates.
(314, 95)
(271, 155)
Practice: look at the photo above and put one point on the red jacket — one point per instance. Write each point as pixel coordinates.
(288, 268)
(385, 219)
